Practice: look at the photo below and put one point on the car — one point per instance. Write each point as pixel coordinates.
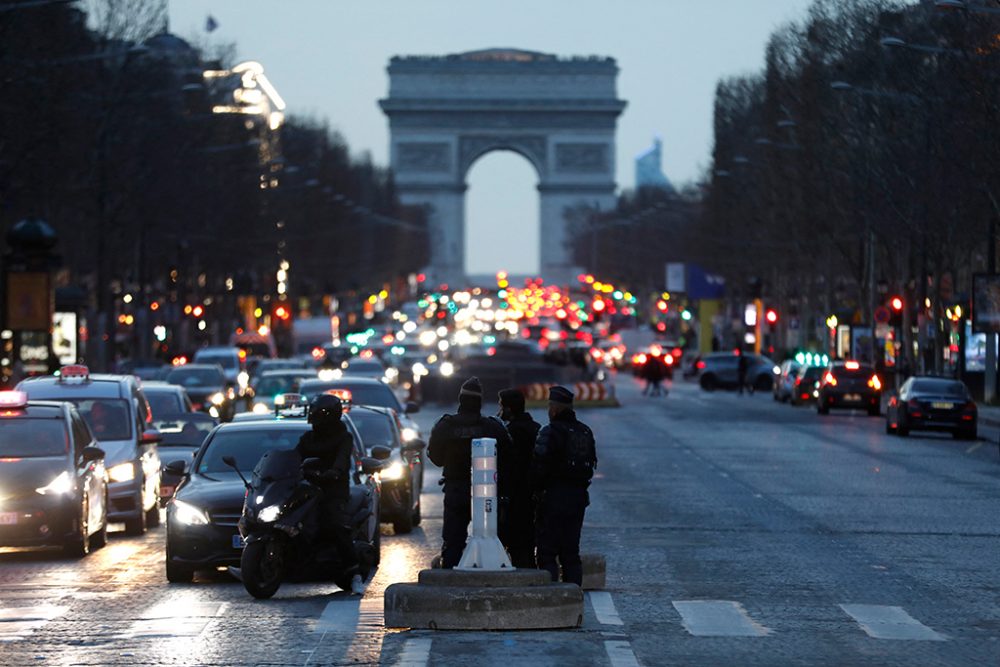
(367, 391)
(182, 434)
(402, 474)
(55, 490)
(720, 370)
(932, 404)
(784, 381)
(360, 367)
(206, 385)
(849, 384)
(202, 517)
(806, 384)
(116, 411)
(276, 382)
(231, 361)
(261, 366)
(166, 398)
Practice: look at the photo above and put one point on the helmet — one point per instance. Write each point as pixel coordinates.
(325, 410)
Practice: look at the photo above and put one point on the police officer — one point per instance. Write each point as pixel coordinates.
(450, 447)
(331, 443)
(516, 525)
(563, 464)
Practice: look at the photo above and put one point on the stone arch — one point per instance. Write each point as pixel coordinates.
(446, 112)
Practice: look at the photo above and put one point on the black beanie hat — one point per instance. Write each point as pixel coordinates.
(471, 387)
(558, 394)
(513, 399)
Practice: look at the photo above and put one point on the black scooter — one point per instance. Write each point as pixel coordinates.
(280, 525)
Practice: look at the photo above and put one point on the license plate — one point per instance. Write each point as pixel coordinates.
(852, 397)
(8, 518)
(942, 406)
(238, 541)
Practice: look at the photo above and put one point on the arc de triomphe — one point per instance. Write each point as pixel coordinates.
(445, 112)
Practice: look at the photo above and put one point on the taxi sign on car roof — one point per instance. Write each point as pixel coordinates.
(13, 399)
(343, 394)
(75, 372)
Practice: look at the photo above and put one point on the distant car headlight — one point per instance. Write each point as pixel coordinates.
(188, 514)
(409, 433)
(328, 374)
(391, 374)
(63, 483)
(269, 514)
(447, 369)
(260, 409)
(777, 370)
(123, 472)
(419, 369)
(243, 379)
(218, 398)
(393, 472)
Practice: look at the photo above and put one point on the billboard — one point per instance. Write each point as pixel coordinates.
(64, 337)
(986, 303)
(29, 302)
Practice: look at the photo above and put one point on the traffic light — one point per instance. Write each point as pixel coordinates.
(771, 315)
(281, 313)
(896, 311)
(896, 303)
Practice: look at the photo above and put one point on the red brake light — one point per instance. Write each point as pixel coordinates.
(669, 359)
(700, 365)
(829, 379)
(875, 383)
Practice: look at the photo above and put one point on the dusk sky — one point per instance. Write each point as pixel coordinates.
(327, 58)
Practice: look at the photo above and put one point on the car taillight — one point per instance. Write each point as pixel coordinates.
(875, 383)
(798, 381)
(969, 411)
(700, 365)
(829, 379)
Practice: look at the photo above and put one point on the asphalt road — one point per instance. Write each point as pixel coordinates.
(737, 532)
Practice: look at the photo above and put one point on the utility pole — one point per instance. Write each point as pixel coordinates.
(990, 374)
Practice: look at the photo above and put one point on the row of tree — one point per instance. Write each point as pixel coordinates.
(109, 134)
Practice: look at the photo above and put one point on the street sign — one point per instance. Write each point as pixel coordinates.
(882, 315)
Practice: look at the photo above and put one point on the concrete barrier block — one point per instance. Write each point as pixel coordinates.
(594, 571)
(550, 606)
(484, 578)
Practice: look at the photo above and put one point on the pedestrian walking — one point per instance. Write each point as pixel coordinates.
(516, 520)
(561, 469)
(741, 372)
(450, 447)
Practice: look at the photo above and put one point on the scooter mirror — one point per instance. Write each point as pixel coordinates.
(370, 466)
(381, 452)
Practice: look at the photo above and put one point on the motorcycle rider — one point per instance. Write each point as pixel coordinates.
(516, 520)
(331, 443)
(450, 447)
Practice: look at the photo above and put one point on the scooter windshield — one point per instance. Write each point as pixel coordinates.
(277, 465)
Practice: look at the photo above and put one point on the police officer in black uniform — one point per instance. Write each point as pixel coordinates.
(331, 443)
(450, 447)
(563, 464)
(516, 521)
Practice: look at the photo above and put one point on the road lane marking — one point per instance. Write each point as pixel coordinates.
(18, 622)
(416, 653)
(889, 622)
(174, 618)
(718, 618)
(974, 447)
(604, 608)
(620, 654)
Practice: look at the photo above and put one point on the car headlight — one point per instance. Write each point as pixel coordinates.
(269, 514)
(188, 514)
(63, 483)
(328, 374)
(243, 379)
(260, 409)
(218, 398)
(393, 472)
(447, 369)
(123, 472)
(409, 434)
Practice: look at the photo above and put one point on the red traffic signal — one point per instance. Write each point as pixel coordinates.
(771, 316)
(282, 313)
(896, 303)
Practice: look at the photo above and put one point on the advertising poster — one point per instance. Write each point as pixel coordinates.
(986, 303)
(29, 302)
(64, 337)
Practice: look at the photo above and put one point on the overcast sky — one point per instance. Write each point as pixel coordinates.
(327, 58)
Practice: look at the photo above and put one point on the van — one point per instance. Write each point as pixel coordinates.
(118, 414)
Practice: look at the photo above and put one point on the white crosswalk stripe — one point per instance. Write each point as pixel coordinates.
(175, 618)
(416, 653)
(604, 608)
(890, 622)
(718, 618)
(19, 622)
(620, 654)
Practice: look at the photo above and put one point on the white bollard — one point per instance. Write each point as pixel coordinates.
(484, 550)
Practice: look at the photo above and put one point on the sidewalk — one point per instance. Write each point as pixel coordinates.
(989, 415)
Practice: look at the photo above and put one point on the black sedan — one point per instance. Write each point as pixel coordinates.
(851, 385)
(202, 517)
(53, 485)
(206, 385)
(402, 474)
(932, 404)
